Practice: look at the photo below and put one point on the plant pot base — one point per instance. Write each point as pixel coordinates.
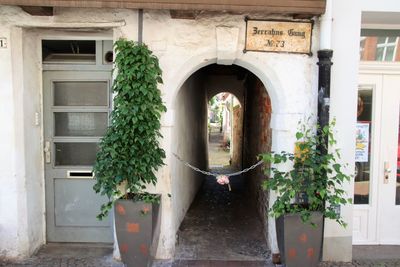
(300, 243)
(137, 230)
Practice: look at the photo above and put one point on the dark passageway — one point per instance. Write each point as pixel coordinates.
(220, 224)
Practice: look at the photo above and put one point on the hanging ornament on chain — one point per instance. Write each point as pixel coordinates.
(223, 179)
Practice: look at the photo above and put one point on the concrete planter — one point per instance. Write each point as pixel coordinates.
(137, 227)
(300, 243)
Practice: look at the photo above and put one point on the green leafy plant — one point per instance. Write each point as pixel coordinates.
(313, 183)
(130, 153)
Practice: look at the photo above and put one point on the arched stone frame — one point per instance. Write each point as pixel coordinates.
(281, 119)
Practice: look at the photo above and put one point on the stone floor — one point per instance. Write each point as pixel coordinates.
(69, 255)
(84, 255)
(92, 262)
(221, 225)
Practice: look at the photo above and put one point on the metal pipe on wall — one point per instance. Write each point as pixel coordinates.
(324, 88)
(325, 39)
(140, 26)
(324, 65)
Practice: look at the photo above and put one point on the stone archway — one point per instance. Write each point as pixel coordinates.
(267, 77)
(282, 119)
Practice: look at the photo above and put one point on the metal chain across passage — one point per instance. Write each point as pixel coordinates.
(222, 179)
(214, 173)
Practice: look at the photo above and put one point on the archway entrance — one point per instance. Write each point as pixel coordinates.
(215, 223)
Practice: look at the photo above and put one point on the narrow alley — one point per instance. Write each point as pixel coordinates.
(221, 224)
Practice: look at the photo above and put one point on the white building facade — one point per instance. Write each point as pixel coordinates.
(38, 192)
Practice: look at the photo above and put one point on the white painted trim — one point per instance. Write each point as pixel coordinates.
(62, 34)
(373, 67)
(380, 26)
(361, 242)
(69, 25)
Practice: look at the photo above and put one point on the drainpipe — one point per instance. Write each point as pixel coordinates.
(324, 88)
(324, 77)
(324, 68)
(325, 40)
(140, 26)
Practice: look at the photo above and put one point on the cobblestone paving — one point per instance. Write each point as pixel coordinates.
(107, 261)
(69, 255)
(65, 262)
(221, 225)
(363, 263)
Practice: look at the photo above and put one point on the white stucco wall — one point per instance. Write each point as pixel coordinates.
(31, 109)
(380, 6)
(23, 176)
(8, 177)
(190, 143)
(345, 45)
(183, 47)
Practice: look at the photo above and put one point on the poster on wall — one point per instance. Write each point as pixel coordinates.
(362, 142)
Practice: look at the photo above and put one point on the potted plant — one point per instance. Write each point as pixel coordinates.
(129, 153)
(308, 186)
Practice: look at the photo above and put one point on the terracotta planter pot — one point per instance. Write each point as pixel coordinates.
(137, 227)
(300, 243)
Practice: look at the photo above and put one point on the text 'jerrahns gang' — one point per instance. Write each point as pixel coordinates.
(273, 32)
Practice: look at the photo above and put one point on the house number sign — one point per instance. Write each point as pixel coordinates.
(3, 42)
(278, 36)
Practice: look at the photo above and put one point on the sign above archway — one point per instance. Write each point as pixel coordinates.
(278, 36)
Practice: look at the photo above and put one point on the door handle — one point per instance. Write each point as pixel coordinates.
(47, 152)
(386, 172)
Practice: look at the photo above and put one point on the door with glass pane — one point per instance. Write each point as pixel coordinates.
(76, 107)
(389, 178)
(367, 159)
(376, 187)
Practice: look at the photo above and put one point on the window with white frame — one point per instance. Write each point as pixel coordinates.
(379, 45)
(386, 48)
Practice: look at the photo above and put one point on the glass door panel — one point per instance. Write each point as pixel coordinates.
(363, 145)
(81, 93)
(75, 154)
(80, 123)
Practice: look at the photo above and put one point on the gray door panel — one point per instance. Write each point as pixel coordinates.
(76, 107)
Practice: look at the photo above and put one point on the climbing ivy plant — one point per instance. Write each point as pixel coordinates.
(130, 152)
(314, 182)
